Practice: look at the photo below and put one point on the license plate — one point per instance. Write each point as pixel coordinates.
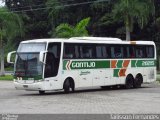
(25, 86)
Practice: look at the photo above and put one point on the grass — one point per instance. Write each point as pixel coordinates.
(6, 77)
(158, 79)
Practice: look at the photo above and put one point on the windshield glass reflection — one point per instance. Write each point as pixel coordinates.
(28, 65)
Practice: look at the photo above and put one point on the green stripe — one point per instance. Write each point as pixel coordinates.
(102, 64)
(143, 63)
(87, 64)
(115, 72)
(64, 64)
(119, 64)
(133, 63)
(106, 64)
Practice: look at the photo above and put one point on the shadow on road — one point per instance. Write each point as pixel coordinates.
(61, 92)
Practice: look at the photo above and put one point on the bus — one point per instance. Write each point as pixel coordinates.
(67, 64)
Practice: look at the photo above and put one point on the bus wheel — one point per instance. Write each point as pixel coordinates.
(68, 85)
(129, 82)
(138, 81)
(41, 92)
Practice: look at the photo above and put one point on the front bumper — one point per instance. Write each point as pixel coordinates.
(23, 85)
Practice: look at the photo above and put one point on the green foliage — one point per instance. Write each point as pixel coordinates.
(11, 26)
(44, 16)
(131, 11)
(6, 77)
(54, 7)
(158, 77)
(10, 68)
(158, 23)
(66, 31)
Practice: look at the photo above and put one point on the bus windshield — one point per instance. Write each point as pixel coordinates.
(28, 65)
(31, 47)
(27, 62)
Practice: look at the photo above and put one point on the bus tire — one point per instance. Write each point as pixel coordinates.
(138, 81)
(129, 82)
(41, 92)
(68, 85)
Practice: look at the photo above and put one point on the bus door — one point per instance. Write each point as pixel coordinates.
(52, 64)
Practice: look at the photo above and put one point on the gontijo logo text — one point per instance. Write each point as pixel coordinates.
(83, 64)
(70, 65)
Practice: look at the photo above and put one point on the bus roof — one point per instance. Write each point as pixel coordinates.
(97, 40)
(44, 40)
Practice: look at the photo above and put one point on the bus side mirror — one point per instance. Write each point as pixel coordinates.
(42, 56)
(9, 57)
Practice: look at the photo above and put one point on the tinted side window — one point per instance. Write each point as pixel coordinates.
(131, 52)
(117, 52)
(52, 60)
(107, 51)
(150, 51)
(140, 51)
(87, 51)
(125, 51)
(99, 51)
(71, 51)
(55, 48)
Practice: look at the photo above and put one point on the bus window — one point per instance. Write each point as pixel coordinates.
(140, 52)
(131, 52)
(118, 52)
(69, 51)
(52, 60)
(112, 52)
(125, 51)
(55, 48)
(150, 51)
(87, 51)
(99, 53)
(107, 51)
(50, 65)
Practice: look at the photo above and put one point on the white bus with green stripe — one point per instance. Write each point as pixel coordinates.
(68, 64)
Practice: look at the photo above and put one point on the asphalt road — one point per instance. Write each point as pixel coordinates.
(87, 101)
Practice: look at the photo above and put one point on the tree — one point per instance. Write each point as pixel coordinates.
(54, 8)
(133, 10)
(10, 27)
(34, 14)
(66, 31)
